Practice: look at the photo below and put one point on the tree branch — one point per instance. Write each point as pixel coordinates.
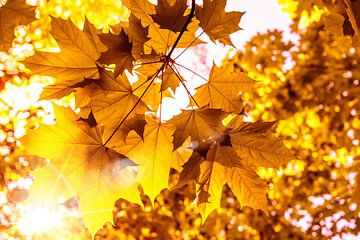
(188, 20)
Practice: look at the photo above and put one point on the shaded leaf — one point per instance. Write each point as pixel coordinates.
(13, 13)
(170, 15)
(112, 102)
(137, 35)
(119, 52)
(217, 23)
(334, 24)
(223, 166)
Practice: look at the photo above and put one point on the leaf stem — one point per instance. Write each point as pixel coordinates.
(152, 79)
(188, 20)
(181, 81)
(192, 71)
(188, 46)
(161, 92)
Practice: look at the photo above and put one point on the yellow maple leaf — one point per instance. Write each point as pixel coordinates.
(223, 89)
(223, 166)
(98, 175)
(154, 156)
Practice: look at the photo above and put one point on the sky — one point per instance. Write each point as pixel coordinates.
(260, 16)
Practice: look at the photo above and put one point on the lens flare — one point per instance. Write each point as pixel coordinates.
(39, 220)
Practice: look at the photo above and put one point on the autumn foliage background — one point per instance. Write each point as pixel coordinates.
(309, 84)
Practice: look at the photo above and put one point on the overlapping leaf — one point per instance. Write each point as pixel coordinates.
(217, 23)
(142, 9)
(118, 53)
(170, 15)
(256, 148)
(113, 103)
(161, 40)
(204, 125)
(223, 89)
(75, 61)
(137, 35)
(223, 166)
(154, 156)
(98, 174)
(13, 13)
(221, 155)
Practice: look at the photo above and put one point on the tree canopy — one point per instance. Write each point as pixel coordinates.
(266, 146)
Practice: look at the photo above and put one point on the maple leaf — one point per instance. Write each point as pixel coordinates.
(204, 125)
(258, 149)
(308, 5)
(334, 24)
(152, 96)
(119, 52)
(115, 110)
(137, 35)
(97, 173)
(13, 13)
(161, 40)
(112, 101)
(94, 34)
(75, 61)
(170, 15)
(237, 124)
(142, 9)
(223, 166)
(216, 23)
(223, 89)
(154, 156)
(169, 79)
(61, 90)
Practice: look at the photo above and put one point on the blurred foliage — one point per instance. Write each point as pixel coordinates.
(311, 85)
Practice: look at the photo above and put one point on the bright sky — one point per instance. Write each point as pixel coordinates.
(260, 16)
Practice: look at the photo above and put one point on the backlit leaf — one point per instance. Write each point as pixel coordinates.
(13, 13)
(217, 23)
(98, 174)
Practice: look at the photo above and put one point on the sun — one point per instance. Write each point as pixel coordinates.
(39, 220)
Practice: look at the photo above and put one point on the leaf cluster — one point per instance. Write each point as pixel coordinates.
(118, 123)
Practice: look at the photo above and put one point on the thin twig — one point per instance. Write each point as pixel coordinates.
(149, 79)
(187, 47)
(161, 92)
(192, 71)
